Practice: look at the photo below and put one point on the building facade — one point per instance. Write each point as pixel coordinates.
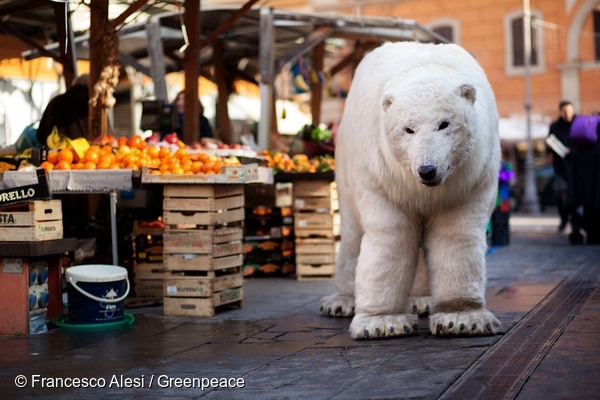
(565, 45)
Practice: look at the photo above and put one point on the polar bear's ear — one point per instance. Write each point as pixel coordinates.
(387, 101)
(467, 91)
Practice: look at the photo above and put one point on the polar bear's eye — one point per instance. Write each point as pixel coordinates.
(409, 131)
(443, 125)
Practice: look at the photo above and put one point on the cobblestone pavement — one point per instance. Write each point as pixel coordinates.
(544, 291)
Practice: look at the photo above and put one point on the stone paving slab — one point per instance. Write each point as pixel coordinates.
(283, 349)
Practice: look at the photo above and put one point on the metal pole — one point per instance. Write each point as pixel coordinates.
(530, 200)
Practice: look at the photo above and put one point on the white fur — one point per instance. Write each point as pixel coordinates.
(392, 216)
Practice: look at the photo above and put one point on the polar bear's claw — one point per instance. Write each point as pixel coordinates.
(466, 323)
(337, 306)
(420, 306)
(382, 326)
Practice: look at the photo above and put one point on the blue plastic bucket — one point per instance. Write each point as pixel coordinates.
(96, 293)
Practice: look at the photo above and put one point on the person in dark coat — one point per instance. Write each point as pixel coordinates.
(205, 129)
(561, 165)
(584, 186)
(68, 112)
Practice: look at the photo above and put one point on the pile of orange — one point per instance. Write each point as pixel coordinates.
(134, 153)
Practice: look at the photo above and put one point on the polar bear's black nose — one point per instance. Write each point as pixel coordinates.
(427, 172)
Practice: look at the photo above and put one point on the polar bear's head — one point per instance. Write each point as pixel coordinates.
(430, 126)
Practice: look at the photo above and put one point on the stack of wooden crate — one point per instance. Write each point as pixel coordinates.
(148, 268)
(202, 248)
(317, 227)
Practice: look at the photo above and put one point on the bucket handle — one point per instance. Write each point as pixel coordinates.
(99, 299)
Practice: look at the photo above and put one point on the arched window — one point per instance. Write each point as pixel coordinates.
(515, 44)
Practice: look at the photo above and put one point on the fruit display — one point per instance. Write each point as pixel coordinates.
(298, 163)
(108, 152)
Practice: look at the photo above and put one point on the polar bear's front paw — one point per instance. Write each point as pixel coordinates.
(381, 326)
(337, 305)
(420, 306)
(464, 323)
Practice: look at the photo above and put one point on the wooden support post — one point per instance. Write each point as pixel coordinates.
(224, 123)
(317, 87)
(97, 123)
(191, 67)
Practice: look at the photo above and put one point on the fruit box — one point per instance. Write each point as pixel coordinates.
(238, 174)
(315, 188)
(202, 307)
(76, 181)
(31, 221)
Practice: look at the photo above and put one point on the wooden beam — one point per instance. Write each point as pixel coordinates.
(224, 123)
(29, 42)
(191, 121)
(97, 123)
(129, 11)
(317, 87)
(227, 23)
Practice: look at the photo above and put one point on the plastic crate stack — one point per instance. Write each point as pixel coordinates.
(202, 248)
(269, 230)
(316, 227)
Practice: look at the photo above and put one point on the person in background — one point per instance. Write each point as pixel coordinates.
(205, 129)
(584, 188)
(26, 140)
(68, 112)
(560, 128)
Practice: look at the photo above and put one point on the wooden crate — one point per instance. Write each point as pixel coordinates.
(217, 242)
(307, 258)
(315, 246)
(317, 224)
(315, 258)
(151, 270)
(201, 286)
(31, 221)
(314, 188)
(203, 204)
(201, 262)
(314, 271)
(149, 288)
(316, 203)
(203, 307)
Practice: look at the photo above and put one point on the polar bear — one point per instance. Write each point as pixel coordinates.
(417, 160)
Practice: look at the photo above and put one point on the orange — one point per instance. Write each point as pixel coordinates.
(52, 157)
(217, 167)
(152, 151)
(107, 148)
(203, 157)
(208, 166)
(47, 165)
(89, 165)
(66, 155)
(164, 152)
(181, 152)
(63, 165)
(92, 154)
(196, 167)
(136, 142)
(177, 170)
(107, 158)
(122, 141)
